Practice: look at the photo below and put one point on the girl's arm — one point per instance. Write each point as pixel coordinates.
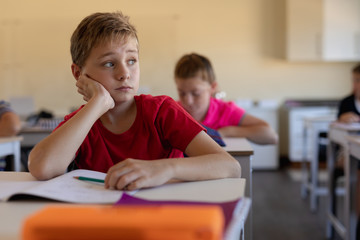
(207, 160)
(51, 157)
(252, 128)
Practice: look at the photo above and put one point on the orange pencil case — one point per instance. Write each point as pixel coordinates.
(92, 222)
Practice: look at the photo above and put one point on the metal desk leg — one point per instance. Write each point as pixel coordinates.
(17, 156)
(331, 188)
(304, 170)
(314, 175)
(333, 223)
(246, 172)
(352, 215)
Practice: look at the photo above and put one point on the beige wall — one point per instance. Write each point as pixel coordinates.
(243, 38)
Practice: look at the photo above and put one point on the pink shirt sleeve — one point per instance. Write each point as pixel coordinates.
(221, 114)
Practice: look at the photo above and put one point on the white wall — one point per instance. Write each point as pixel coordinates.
(243, 38)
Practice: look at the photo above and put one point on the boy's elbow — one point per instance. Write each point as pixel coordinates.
(235, 169)
(36, 168)
(237, 172)
(14, 130)
(271, 136)
(9, 131)
(274, 139)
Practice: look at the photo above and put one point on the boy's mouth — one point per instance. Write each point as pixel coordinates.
(124, 88)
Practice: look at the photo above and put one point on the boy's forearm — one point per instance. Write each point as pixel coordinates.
(205, 167)
(263, 134)
(51, 156)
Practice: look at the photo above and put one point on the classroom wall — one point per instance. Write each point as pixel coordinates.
(243, 38)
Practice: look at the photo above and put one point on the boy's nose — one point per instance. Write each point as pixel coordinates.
(188, 100)
(122, 74)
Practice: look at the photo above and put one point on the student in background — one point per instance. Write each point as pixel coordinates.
(196, 85)
(10, 123)
(349, 112)
(138, 140)
(349, 108)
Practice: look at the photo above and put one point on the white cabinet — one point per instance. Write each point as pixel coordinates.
(292, 134)
(323, 30)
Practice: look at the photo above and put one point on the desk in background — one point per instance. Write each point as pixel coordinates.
(313, 126)
(338, 135)
(242, 151)
(33, 135)
(11, 146)
(13, 213)
(35, 132)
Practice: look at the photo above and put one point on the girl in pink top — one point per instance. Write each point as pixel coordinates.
(196, 84)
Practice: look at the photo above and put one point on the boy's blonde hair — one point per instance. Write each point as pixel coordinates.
(190, 65)
(97, 28)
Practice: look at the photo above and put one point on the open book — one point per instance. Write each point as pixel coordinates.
(63, 188)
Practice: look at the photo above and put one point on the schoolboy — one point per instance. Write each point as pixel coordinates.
(137, 140)
(196, 85)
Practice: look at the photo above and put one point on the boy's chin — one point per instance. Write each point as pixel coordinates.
(123, 99)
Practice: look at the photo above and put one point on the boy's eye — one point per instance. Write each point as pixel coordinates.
(109, 64)
(132, 61)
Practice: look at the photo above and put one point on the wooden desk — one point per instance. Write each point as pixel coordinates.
(13, 213)
(242, 151)
(338, 135)
(312, 128)
(11, 146)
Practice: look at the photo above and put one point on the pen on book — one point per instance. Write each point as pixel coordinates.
(90, 179)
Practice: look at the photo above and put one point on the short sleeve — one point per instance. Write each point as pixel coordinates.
(176, 125)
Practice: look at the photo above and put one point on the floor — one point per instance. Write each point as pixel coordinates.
(279, 212)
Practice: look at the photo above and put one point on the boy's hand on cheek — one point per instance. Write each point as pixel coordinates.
(89, 88)
(132, 174)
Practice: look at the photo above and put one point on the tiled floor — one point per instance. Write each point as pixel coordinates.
(279, 212)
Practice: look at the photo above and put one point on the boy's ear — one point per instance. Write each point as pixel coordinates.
(214, 88)
(76, 71)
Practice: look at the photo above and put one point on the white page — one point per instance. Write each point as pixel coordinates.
(8, 188)
(68, 189)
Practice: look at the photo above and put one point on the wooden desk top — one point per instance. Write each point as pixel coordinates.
(35, 130)
(345, 127)
(13, 213)
(326, 119)
(238, 147)
(338, 132)
(11, 139)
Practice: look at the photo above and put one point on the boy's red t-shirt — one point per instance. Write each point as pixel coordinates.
(162, 129)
